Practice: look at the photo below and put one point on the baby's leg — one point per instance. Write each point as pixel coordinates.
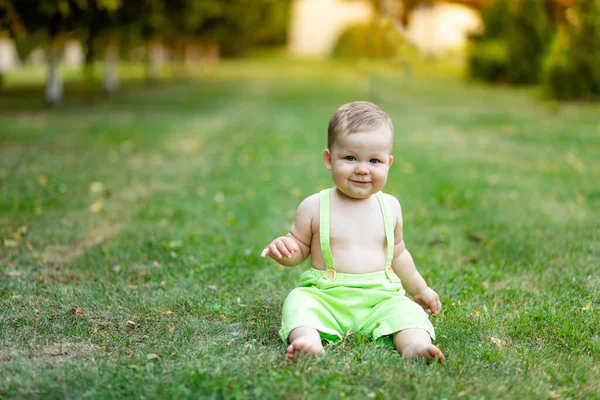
(304, 340)
(415, 342)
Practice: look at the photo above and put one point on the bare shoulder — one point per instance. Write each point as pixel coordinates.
(393, 203)
(309, 206)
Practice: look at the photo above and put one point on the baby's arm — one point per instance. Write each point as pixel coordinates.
(293, 248)
(404, 266)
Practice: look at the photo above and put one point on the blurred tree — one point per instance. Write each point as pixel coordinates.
(51, 22)
(232, 26)
(102, 25)
(516, 36)
(243, 24)
(376, 39)
(147, 22)
(528, 37)
(572, 68)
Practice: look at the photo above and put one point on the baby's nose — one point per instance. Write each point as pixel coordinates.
(361, 168)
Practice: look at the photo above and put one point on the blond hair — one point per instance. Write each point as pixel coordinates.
(355, 117)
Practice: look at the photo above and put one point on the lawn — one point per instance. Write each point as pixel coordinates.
(131, 227)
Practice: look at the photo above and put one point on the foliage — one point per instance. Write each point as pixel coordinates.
(572, 69)
(512, 47)
(373, 40)
(244, 24)
(488, 59)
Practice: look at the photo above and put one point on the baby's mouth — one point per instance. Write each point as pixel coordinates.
(360, 182)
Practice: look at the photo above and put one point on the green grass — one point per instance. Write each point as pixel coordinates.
(501, 201)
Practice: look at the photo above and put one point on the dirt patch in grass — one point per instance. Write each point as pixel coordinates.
(61, 254)
(53, 352)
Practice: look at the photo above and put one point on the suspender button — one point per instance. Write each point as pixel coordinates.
(390, 273)
(330, 275)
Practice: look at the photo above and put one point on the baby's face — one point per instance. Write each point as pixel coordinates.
(359, 162)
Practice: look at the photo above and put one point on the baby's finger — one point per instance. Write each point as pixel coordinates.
(283, 249)
(264, 253)
(274, 251)
(436, 308)
(291, 246)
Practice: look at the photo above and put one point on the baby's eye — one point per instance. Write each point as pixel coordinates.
(374, 161)
(350, 158)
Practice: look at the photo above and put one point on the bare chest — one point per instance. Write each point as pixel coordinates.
(357, 226)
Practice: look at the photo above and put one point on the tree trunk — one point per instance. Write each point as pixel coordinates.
(154, 59)
(54, 84)
(111, 62)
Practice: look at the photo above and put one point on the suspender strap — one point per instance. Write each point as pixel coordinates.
(324, 197)
(389, 228)
(324, 214)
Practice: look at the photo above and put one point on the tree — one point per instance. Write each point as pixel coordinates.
(572, 69)
(516, 37)
(54, 21)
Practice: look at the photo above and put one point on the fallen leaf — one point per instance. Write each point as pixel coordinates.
(175, 244)
(152, 357)
(69, 278)
(96, 207)
(11, 243)
(75, 311)
(474, 314)
(498, 342)
(168, 312)
(43, 180)
(97, 187)
(108, 326)
(587, 307)
(230, 342)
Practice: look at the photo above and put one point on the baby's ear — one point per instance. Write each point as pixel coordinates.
(391, 161)
(327, 158)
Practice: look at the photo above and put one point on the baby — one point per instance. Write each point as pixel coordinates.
(353, 234)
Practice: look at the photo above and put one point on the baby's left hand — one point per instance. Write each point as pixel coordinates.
(429, 300)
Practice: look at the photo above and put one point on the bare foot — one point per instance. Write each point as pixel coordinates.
(304, 345)
(429, 351)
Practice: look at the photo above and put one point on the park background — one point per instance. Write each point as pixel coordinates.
(150, 149)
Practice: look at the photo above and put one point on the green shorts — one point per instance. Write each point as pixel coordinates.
(368, 304)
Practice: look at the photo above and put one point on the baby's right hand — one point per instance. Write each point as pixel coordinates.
(282, 246)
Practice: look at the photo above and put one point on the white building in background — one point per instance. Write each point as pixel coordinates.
(72, 56)
(9, 58)
(438, 28)
(315, 25)
(435, 28)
